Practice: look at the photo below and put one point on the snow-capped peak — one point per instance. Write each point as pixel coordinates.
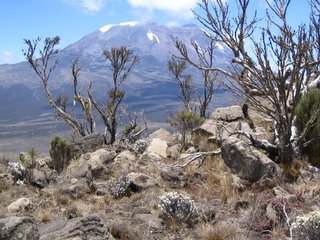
(152, 36)
(106, 28)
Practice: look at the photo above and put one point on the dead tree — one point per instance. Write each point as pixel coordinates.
(121, 60)
(43, 67)
(204, 62)
(280, 67)
(186, 88)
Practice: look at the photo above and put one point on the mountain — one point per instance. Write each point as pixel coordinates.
(149, 87)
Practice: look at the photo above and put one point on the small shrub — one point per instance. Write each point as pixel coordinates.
(140, 146)
(185, 122)
(307, 226)
(307, 106)
(28, 162)
(178, 207)
(61, 153)
(121, 187)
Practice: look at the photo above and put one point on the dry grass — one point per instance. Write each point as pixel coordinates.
(220, 231)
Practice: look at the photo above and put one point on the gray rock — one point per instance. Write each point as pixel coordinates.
(174, 151)
(246, 161)
(162, 134)
(228, 114)
(141, 181)
(89, 227)
(158, 146)
(39, 178)
(21, 204)
(88, 144)
(23, 228)
(76, 188)
(173, 174)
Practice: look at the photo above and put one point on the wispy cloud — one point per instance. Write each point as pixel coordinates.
(181, 7)
(87, 5)
(7, 57)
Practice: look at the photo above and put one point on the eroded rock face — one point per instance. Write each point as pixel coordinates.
(22, 228)
(247, 162)
(88, 227)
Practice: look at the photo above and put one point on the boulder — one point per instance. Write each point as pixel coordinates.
(158, 146)
(174, 151)
(23, 228)
(39, 178)
(246, 161)
(87, 227)
(162, 134)
(88, 144)
(228, 114)
(141, 181)
(75, 189)
(173, 175)
(21, 204)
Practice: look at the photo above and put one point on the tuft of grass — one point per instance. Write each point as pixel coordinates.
(220, 231)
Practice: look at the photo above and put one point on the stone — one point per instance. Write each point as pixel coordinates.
(22, 228)
(20, 205)
(174, 151)
(246, 161)
(87, 227)
(141, 181)
(173, 174)
(162, 134)
(75, 189)
(228, 114)
(158, 146)
(88, 144)
(39, 178)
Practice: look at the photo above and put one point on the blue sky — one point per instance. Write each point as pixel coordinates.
(73, 19)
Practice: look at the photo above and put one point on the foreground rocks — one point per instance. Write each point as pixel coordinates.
(117, 192)
(24, 228)
(246, 161)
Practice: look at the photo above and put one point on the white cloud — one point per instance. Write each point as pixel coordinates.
(7, 57)
(177, 6)
(88, 5)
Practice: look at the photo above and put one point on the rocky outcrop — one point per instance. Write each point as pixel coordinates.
(23, 228)
(88, 227)
(247, 162)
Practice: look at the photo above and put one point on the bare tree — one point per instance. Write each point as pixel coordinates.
(281, 66)
(121, 60)
(204, 62)
(186, 88)
(43, 67)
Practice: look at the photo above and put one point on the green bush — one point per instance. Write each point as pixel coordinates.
(28, 162)
(185, 122)
(308, 104)
(61, 153)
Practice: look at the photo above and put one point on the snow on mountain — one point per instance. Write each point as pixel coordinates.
(152, 37)
(106, 28)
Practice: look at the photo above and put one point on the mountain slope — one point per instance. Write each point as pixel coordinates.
(149, 87)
